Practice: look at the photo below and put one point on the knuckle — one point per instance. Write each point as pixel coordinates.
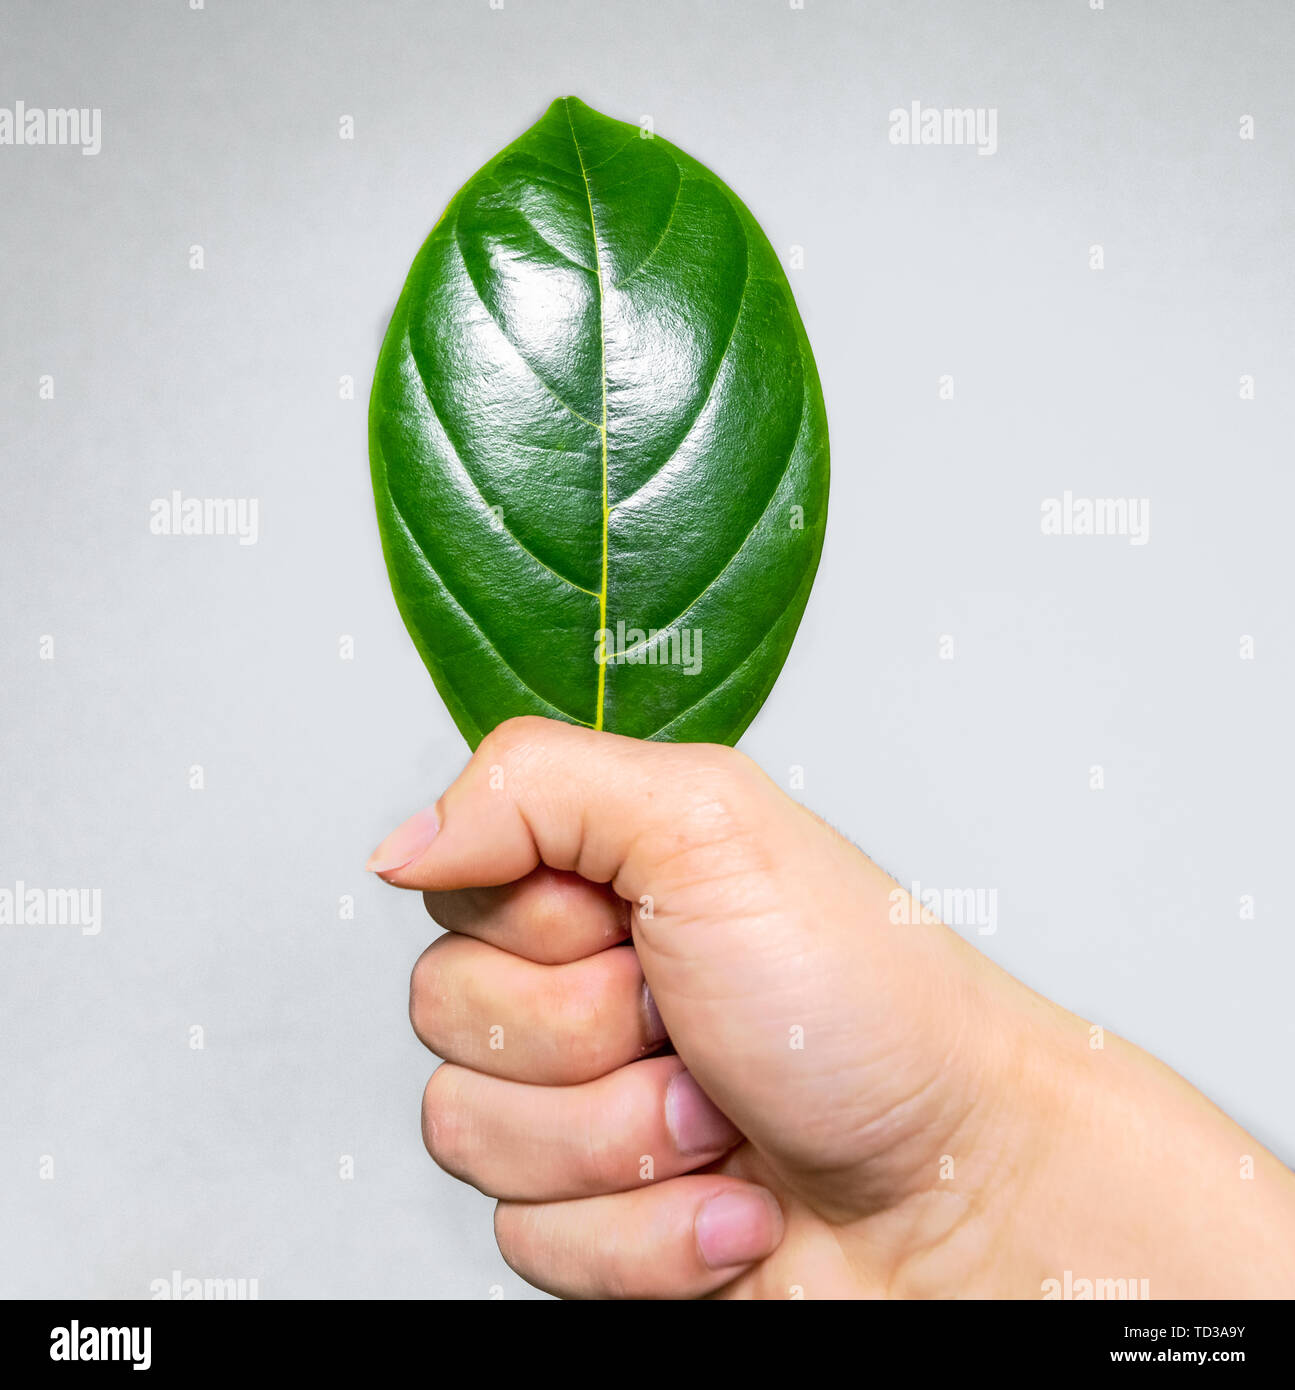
(549, 926)
(518, 749)
(721, 827)
(577, 1010)
(445, 1135)
(599, 1162)
(723, 757)
(610, 1164)
(425, 988)
(575, 1017)
(721, 805)
(521, 727)
(540, 1252)
(505, 740)
(721, 785)
(547, 914)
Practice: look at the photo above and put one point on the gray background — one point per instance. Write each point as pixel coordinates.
(1118, 127)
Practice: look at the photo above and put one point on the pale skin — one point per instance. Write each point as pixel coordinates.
(855, 1107)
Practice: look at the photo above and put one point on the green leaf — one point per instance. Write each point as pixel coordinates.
(596, 418)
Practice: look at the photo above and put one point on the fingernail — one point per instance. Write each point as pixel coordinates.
(405, 843)
(738, 1227)
(696, 1124)
(656, 1032)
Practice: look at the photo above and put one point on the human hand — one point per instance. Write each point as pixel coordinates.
(856, 1108)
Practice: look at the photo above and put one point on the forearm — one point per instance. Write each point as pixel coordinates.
(1137, 1176)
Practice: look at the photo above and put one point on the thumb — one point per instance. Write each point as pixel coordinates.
(538, 791)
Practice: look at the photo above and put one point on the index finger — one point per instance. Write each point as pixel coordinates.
(549, 916)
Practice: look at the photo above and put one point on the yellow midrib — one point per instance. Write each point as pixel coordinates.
(602, 429)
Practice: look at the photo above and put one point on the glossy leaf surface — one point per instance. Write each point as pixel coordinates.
(598, 443)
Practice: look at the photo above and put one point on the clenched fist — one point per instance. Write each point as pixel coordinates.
(688, 1048)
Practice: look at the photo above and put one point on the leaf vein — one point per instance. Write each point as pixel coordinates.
(540, 237)
(476, 487)
(710, 390)
(656, 245)
(602, 337)
(459, 604)
(728, 564)
(503, 333)
(737, 670)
